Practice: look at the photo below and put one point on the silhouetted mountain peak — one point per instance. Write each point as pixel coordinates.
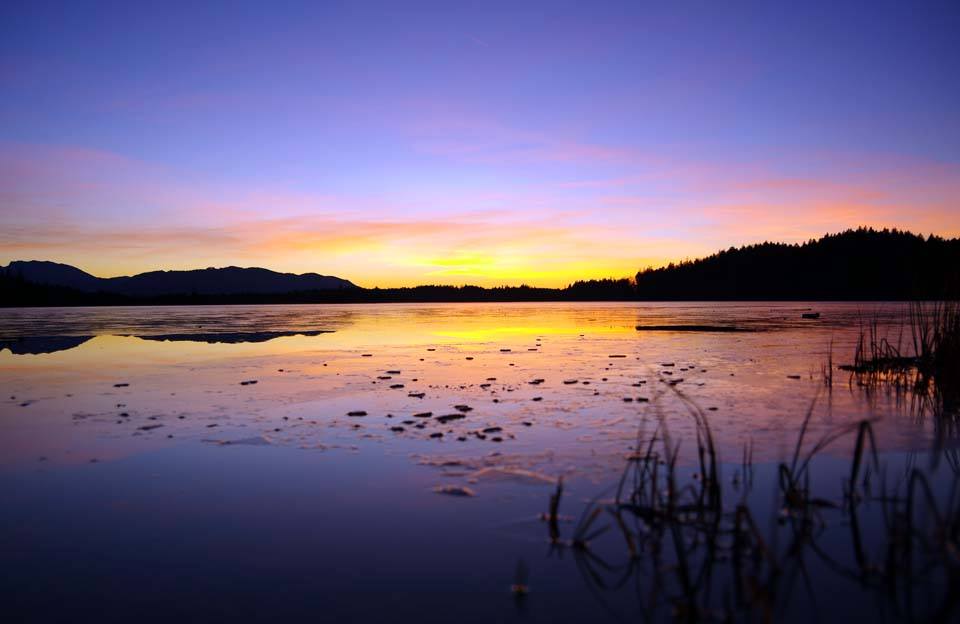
(53, 273)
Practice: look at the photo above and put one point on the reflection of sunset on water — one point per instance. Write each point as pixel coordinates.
(484, 356)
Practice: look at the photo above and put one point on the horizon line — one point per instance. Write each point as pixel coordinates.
(569, 282)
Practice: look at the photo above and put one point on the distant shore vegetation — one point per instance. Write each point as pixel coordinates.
(861, 264)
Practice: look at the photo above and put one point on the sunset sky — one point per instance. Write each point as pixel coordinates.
(505, 143)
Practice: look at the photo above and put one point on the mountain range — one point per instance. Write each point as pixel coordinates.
(212, 281)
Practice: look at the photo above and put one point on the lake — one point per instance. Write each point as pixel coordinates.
(363, 462)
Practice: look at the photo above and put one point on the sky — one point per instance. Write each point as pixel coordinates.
(490, 143)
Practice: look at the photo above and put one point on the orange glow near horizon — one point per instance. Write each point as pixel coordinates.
(540, 235)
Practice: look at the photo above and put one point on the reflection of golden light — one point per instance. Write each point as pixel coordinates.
(322, 377)
(445, 323)
(485, 334)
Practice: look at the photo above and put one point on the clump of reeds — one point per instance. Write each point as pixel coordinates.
(693, 555)
(931, 370)
(875, 354)
(936, 343)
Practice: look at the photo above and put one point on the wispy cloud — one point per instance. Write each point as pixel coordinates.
(112, 215)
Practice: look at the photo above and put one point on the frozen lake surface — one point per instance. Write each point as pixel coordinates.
(299, 461)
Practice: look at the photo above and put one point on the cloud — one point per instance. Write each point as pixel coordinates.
(374, 252)
(111, 214)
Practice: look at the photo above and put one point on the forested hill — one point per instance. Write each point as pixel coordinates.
(862, 264)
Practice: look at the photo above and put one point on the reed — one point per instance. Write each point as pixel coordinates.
(692, 555)
(934, 359)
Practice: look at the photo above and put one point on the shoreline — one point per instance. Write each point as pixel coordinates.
(241, 301)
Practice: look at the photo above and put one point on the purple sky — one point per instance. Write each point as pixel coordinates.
(424, 143)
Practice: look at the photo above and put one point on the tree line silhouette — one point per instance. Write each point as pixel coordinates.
(861, 264)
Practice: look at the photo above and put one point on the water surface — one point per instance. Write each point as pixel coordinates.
(193, 461)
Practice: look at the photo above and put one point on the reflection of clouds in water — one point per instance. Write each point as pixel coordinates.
(419, 363)
(324, 423)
